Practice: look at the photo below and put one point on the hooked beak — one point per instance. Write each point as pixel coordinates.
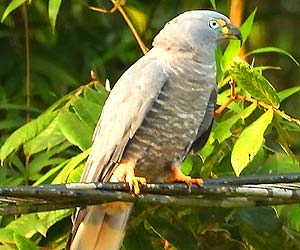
(232, 32)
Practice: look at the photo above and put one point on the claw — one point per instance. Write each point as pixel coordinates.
(125, 172)
(178, 176)
(134, 182)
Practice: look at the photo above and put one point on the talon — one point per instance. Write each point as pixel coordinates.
(178, 176)
(125, 172)
(134, 182)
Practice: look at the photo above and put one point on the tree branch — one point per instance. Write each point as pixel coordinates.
(222, 192)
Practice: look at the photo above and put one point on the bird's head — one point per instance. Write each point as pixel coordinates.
(197, 29)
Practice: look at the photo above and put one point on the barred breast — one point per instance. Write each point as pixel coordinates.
(171, 125)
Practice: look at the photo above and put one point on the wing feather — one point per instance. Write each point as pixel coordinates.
(124, 111)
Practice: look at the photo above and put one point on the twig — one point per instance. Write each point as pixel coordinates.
(234, 96)
(118, 6)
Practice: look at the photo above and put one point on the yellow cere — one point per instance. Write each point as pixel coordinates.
(225, 30)
(222, 24)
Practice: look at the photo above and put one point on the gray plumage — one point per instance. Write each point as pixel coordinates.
(159, 109)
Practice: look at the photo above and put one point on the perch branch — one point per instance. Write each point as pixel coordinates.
(222, 192)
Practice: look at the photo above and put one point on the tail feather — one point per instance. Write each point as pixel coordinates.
(103, 227)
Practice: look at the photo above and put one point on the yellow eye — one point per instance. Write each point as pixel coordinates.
(213, 24)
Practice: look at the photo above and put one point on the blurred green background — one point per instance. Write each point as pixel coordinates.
(83, 40)
(60, 61)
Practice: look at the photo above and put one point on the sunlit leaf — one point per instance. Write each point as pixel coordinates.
(234, 46)
(87, 111)
(23, 243)
(53, 9)
(187, 166)
(50, 218)
(63, 176)
(230, 52)
(222, 130)
(6, 235)
(27, 225)
(44, 159)
(76, 173)
(254, 82)
(248, 111)
(51, 174)
(11, 7)
(25, 133)
(76, 131)
(287, 93)
(249, 142)
(247, 25)
(213, 4)
(48, 138)
(97, 96)
(273, 49)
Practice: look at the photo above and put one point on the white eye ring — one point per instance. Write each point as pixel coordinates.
(213, 24)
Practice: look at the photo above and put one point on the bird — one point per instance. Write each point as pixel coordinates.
(159, 110)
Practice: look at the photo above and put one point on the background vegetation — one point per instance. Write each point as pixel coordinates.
(45, 74)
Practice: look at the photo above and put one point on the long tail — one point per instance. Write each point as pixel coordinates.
(103, 227)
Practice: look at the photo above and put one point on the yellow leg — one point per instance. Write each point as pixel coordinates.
(178, 176)
(125, 172)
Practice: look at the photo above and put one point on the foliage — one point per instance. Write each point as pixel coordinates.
(252, 135)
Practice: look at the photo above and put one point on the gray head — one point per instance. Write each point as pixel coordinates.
(196, 30)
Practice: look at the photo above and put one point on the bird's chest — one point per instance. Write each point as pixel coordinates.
(170, 126)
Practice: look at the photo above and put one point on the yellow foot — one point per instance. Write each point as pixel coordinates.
(134, 182)
(178, 176)
(125, 172)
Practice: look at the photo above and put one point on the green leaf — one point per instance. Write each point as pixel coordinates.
(76, 131)
(98, 97)
(247, 25)
(75, 174)
(249, 142)
(253, 82)
(222, 130)
(50, 218)
(273, 49)
(6, 235)
(234, 46)
(279, 163)
(48, 138)
(51, 174)
(290, 214)
(248, 111)
(283, 137)
(53, 9)
(88, 112)
(25, 133)
(187, 166)
(11, 7)
(24, 243)
(213, 4)
(230, 52)
(287, 93)
(63, 176)
(27, 225)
